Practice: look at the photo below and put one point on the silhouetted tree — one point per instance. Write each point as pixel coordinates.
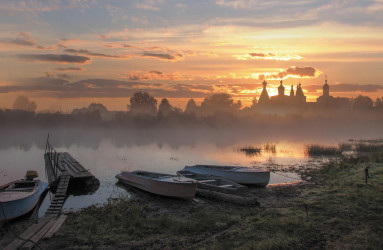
(23, 103)
(191, 106)
(142, 102)
(165, 108)
(379, 103)
(362, 102)
(254, 102)
(220, 102)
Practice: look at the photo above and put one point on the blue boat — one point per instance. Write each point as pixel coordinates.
(20, 197)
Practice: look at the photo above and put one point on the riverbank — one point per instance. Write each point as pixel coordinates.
(343, 211)
(332, 208)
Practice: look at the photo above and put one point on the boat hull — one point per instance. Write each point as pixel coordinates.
(170, 187)
(13, 208)
(241, 175)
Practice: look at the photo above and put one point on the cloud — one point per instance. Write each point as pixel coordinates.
(42, 6)
(87, 52)
(347, 87)
(149, 4)
(18, 41)
(267, 56)
(97, 88)
(176, 56)
(63, 58)
(296, 72)
(23, 39)
(152, 75)
(236, 4)
(70, 69)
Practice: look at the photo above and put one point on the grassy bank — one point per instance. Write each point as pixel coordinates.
(342, 212)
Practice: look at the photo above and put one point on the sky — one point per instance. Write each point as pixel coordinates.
(65, 54)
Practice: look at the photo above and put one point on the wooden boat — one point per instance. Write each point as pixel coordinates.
(214, 183)
(238, 174)
(161, 184)
(20, 197)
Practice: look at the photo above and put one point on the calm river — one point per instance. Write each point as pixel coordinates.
(105, 153)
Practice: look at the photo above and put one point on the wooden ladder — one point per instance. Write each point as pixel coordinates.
(60, 195)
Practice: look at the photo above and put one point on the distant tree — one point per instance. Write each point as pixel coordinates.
(92, 108)
(23, 103)
(191, 106)
(379, 103)
(220, 102)
(254, 102)
(142, 102)
(362, 102)
(165, 108)
(97, 106)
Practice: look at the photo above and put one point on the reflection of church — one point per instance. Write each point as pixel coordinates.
(281, 99)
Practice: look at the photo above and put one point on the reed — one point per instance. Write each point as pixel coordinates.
(315, 150)
(368, 148)
(250, 150)
(270, 148)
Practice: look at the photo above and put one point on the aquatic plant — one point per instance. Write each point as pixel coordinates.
(270, 148)
(315, 150)
(368, 147)
(250, 150)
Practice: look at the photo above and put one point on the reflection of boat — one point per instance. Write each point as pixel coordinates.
(215, 183)
(238, 174)
(19, 197)
(161, 184)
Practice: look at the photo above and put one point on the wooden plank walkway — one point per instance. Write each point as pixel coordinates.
(48, 224)
(60, 195)
(45, 228)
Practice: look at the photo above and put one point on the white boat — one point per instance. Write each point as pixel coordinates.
(238, 174)
(20, 197)
(215, 183)
(161, 184)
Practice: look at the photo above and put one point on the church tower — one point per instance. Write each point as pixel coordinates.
(264, 98)
(281, 89)
(292, 91)
(300, 96)
(326, 89)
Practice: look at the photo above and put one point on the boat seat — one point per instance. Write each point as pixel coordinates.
(226, 185)
(207, 181)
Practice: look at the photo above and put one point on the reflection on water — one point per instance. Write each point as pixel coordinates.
(106, 154)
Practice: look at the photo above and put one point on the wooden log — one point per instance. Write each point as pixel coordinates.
(247, 201)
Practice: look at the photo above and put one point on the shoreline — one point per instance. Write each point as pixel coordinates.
(333, 208)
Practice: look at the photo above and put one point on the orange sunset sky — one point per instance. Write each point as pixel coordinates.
(65, 54)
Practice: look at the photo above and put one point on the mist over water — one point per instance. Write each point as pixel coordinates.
(168, 148)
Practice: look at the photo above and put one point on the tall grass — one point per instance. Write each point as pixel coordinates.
(270, 148)
(250, 150)
(368, 148)
(315, 150)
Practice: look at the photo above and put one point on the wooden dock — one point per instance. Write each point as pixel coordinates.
(59, 164)
(45, 228)
(61, 169)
